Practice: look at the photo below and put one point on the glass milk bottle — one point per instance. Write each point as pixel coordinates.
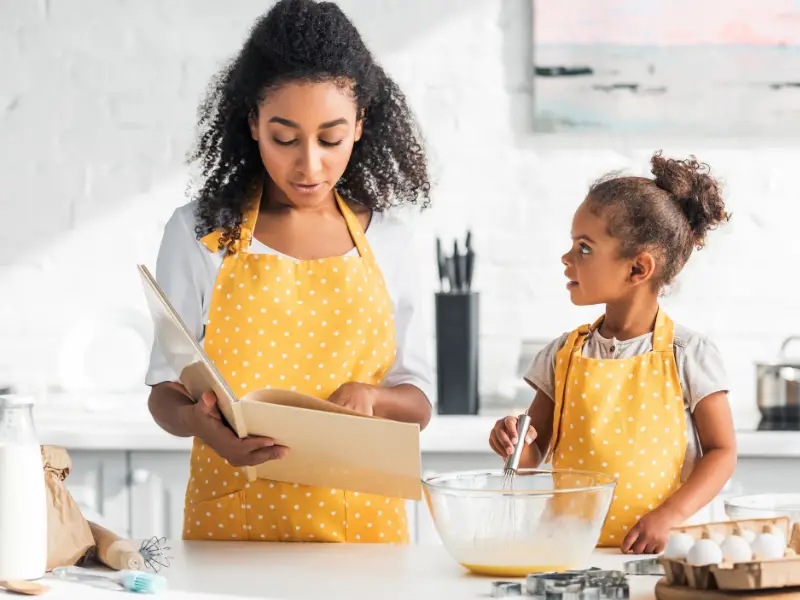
(23, 499)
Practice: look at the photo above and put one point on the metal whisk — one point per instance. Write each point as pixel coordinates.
(153, 552)
(502, 518)
(512, 463)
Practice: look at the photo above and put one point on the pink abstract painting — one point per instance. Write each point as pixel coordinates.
(729, 67)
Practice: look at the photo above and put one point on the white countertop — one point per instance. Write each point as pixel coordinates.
(133, 429)
(205, 570)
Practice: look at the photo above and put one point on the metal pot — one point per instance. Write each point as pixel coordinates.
(778, 384)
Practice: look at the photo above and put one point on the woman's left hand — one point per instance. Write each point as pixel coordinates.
(359, 397)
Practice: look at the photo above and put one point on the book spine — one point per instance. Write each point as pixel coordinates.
(239, 425)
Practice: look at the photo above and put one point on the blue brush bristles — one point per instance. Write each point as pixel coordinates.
(142, 583)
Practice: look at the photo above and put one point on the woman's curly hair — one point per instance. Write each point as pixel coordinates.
(304, 40)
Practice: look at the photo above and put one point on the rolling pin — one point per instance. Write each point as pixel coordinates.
(115, 552)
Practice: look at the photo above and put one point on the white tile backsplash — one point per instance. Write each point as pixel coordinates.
(97, 106)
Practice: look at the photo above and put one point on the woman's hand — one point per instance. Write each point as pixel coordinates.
(503, 437)
(208, 426)
(359, 397)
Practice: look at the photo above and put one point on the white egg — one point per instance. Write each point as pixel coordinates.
(777, 532)
(705, 552)
(678, 546)
(735, 549)
(767, 546)
(781, 536)
(749, 536)
(718, 538)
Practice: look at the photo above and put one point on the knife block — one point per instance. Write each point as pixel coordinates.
(457, 332)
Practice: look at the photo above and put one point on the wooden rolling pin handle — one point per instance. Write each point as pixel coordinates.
(115, 552)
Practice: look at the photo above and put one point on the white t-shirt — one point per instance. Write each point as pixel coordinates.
(700, 369)
(186, 270)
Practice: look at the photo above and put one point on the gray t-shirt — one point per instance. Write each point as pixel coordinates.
(699, 363)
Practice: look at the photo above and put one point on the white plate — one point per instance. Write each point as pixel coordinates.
(106, 352)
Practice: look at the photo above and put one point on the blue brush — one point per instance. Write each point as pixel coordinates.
(138, 582)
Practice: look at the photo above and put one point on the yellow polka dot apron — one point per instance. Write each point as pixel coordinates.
(308, 326)
(624, 418)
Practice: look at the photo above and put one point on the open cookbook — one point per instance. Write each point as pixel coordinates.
(329, 445)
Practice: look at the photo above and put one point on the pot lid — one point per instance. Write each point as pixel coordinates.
(784, 359)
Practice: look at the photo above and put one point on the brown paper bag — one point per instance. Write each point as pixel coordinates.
(68, 534)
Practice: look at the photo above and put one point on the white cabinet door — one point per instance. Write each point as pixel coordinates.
(434, 463)
(158, 485)
(754, 476)
(98, 483)
(764, 476)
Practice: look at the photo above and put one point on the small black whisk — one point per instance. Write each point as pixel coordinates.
(153, 553)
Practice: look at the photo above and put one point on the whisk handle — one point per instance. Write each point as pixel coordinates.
(523, 423)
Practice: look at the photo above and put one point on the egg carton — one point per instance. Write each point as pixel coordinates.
(752, 575)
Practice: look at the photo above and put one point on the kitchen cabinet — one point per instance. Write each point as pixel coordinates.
(157, 488)
(765, 475)
(423, 529)
(140, 494)
(98, 482)
(159, 479)
(158, 483)
(752, 476)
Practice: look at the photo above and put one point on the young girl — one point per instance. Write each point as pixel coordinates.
(290, 273)
(634, 395)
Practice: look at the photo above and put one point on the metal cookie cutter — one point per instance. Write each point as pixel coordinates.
(645, 566)
(503, 589)
(610, 585)
(590, 584)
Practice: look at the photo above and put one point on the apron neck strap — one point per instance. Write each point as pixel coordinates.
(354, 227)
(663, 332)
(250, 216)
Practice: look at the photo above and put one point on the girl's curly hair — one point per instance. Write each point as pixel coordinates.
(669, 215)
(304, 40)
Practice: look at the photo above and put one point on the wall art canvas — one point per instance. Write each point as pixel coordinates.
(694, 67)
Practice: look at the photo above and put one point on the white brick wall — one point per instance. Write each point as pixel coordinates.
(97, 105)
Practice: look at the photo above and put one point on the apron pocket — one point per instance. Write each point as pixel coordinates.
(222, 518)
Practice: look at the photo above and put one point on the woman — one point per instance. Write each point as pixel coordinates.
(304, 142)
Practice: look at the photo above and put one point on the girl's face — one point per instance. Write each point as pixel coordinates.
(305, 134)
(596, 273)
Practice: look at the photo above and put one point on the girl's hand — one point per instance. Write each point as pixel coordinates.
(651, 534)
(208, 426)
(503, 437)
(360, 397)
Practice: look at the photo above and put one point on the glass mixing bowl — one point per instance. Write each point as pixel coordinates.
(764, 506)
(548, 520)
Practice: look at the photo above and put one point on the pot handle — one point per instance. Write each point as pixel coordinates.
(788, 341)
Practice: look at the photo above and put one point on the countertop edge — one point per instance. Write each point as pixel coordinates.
(444, 435)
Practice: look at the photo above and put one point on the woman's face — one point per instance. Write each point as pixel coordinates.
(305, 134)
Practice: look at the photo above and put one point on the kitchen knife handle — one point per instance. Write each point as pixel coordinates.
(451, 274)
